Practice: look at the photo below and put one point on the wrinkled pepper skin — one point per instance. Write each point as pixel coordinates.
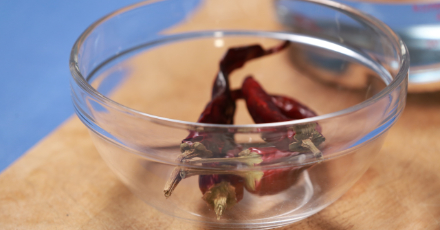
(265, 108)
(221, 108)
(218, 111)
(287, 106)
(291, 108)
(260, 105)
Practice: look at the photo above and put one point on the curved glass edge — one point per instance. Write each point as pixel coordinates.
(398, 79)
(365, 140)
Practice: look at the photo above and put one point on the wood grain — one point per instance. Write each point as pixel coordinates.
(62, 183)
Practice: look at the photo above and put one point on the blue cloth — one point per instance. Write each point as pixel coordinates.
(35, 42)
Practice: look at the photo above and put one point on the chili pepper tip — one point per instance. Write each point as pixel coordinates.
(172, 182)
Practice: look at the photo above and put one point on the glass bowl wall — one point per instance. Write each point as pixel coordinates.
(140, 82)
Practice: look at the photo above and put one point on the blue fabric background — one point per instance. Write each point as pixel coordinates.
(35, 42)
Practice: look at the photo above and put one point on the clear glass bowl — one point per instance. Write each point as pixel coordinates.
(140, 82)
(418, 25)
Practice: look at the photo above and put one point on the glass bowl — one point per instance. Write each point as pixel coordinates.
(418, 28)
(143, 75)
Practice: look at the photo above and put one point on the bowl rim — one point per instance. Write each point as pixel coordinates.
(397, 80)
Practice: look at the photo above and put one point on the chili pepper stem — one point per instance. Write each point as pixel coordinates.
(172, 182)
(220, 206)
(188, 152)
(196, 150)
(307, 143)
(220, 197)
(307, 139)
(250, 160)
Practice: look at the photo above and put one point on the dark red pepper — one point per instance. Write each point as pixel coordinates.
(222, 189)
(220, 110)
(260, 104)
(235, 58)
(263, 109)
(291, 108)
(287, 106)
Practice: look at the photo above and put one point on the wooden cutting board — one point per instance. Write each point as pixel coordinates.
(62, 183)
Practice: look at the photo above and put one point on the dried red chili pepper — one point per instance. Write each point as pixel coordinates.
(221, 192)
(263, 109)
(268, 182)
(300, 140)
(220, 110)
(259, 104)
(235, 58)
(291, 108)
(287, 106)
(223, 188)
